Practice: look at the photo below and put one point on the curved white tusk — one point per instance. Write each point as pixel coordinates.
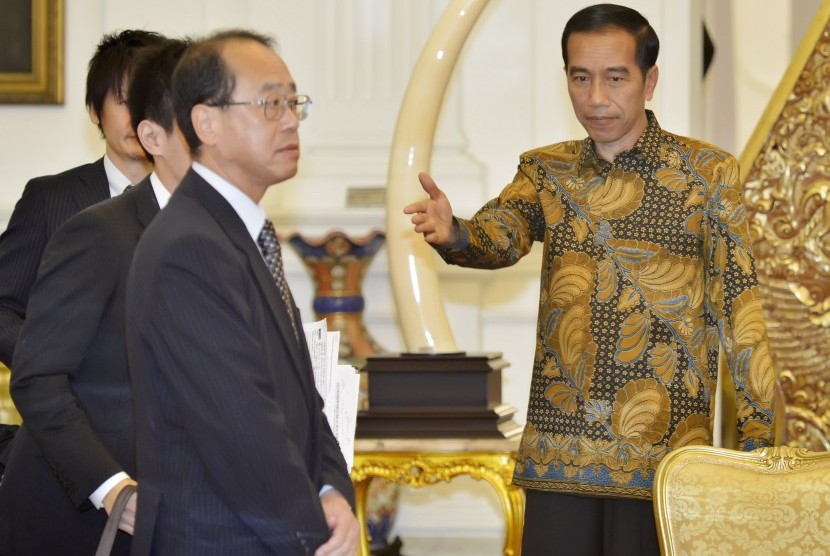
(411, 261)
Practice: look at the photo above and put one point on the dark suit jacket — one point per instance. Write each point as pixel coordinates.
(46, 203)
(71, 385)
(232, 444)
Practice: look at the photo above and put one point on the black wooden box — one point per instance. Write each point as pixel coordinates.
(446, 395)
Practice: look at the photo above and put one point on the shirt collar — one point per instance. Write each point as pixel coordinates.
(117, 181)
(648, 145)
(161, 193)
(252, 214)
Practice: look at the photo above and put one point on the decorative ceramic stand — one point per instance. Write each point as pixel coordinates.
(337, 264)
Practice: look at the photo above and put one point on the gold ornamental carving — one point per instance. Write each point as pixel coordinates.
(787, 180)
(786, 458)
(808, 409)
(423, 471)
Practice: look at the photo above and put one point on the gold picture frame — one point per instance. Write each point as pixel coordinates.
(31, 61)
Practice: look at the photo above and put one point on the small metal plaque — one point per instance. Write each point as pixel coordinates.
(362, 197)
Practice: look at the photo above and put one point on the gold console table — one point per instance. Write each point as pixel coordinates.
(424, 462)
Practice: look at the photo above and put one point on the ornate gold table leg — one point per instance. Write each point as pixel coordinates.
(512, 499)
(360, 489)
(497, 470)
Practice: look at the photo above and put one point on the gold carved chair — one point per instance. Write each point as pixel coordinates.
(719, 501)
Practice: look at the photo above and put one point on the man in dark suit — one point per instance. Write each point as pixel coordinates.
(234, 453)
(76, 448)
(48, 201)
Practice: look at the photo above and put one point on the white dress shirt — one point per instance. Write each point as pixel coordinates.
(118, 182)
(252, 214)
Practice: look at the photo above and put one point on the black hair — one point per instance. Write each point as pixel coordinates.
(111, 65)
(203, 77)
(604, 16)
(150, 92)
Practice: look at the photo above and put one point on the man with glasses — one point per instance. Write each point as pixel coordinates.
(234, 453)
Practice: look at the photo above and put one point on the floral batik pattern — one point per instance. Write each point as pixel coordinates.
(647, 276)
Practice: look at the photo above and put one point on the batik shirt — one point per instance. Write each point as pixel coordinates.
(647, 273)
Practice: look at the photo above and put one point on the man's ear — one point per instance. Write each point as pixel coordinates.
(151, 135)
(205, 123)
(651, 81)
(93, 117)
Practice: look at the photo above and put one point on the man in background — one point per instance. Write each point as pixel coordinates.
(48, 201)
(647, 270)
(76, 448)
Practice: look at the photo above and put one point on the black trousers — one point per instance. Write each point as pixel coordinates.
(584, 526)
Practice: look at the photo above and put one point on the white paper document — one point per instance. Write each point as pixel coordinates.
(338, 385)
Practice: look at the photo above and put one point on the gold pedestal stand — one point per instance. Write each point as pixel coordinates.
(423, 462)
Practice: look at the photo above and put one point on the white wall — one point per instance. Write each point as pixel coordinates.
(508, 95)
(754, 42)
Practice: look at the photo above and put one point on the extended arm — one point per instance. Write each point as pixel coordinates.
(498, 235)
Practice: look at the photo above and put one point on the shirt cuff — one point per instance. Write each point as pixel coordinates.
(97, 497)
(325, 489)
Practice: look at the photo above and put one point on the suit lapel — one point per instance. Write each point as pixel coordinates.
(93, 185)
(146, 204)
(195, 186)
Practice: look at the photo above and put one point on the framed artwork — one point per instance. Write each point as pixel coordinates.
(31, 60)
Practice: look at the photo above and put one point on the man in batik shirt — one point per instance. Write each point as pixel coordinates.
(647, 272)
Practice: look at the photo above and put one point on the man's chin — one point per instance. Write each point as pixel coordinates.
(598, 136)
(138, 156)
(284, 175)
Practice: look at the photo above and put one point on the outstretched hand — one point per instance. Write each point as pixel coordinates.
(432, 217)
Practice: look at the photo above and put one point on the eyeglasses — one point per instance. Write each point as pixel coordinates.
(274, 105)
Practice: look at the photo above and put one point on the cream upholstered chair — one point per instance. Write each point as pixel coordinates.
(715, 501)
